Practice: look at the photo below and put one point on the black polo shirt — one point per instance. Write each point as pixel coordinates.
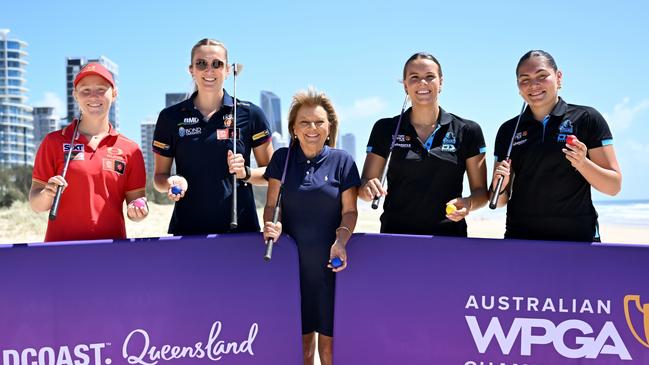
(550, 200)
(424, 175)
(200, 148)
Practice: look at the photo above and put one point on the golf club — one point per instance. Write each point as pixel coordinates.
(236, 68)
(270, 241)
(493, 201)
(377, 199)
(59, 189)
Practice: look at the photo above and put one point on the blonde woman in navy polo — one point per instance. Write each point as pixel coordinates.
(318, 210)
(196, 135)
(559, 151)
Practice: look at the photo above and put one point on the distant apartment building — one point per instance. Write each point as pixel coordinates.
(16, 120)
(348, 143)
(45, 121)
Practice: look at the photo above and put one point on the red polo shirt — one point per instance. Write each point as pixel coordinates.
(98, 180)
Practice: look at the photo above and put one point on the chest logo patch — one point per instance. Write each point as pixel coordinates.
(118, 166)
(227, 120)
(182, 131)
(77, 151)
(566, 126)
(190, 121)
(448, 143)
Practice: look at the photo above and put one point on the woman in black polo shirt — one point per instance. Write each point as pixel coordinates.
(432, 151)
(196, 134)
(560, 150)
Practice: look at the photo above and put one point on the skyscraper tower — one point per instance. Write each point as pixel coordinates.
(147, 127)
(270, 104)
(73, 66)
(349, 144)
(16, 128)
(45, 121)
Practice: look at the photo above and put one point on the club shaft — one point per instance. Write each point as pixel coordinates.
(234, 223)
(269, 243)
(495, 194)
(376, 201)
(59, 189)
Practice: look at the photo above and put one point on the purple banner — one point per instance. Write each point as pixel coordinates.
(423, 300)
(167, 301)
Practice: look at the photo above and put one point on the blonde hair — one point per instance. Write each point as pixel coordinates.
(312, 97)
(205, 42)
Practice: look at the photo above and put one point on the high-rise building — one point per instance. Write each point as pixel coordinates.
(270, 104)
(348, 143)
(174, 98)
(16, 127)
(147, 128)
(45, 121)
(73, 66)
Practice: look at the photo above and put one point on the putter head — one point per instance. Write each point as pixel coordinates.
(236, 68)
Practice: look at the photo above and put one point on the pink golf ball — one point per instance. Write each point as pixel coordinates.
(139, 203)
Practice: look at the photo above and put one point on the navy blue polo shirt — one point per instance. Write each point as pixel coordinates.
(424, 175)
(311, 212)
(550, 200)
(199, 148)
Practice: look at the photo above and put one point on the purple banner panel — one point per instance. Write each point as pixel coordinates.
(195, 300)
(424, 300)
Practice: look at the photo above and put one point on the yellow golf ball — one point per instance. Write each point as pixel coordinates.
(450, 209)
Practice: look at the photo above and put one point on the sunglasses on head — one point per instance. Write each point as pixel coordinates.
(201, 64)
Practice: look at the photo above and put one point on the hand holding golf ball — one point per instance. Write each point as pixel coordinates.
(337, 257)
(177, 187)
(458, 208)
(575, 151)
(137, 209)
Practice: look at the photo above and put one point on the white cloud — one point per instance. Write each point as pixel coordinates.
(363, 108)
(624, 114)
(52, 99)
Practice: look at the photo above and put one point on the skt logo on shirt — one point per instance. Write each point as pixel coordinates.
(77, 151)
(117, 166)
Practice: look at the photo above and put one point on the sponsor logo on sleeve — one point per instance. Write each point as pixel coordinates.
(260, 135)
(160, 145)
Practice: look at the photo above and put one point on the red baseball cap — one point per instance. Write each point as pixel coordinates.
(94, 69)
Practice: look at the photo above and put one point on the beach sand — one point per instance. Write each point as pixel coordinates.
(20, 224)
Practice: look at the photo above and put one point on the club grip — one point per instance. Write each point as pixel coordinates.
(269, 249)
(234, 222)
(375, 202)
(55, 203)
(493, 200)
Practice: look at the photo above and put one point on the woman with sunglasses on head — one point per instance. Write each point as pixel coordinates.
(105, 168)
(432, 151)
(559, 151)
(197, 135)
(316, 175)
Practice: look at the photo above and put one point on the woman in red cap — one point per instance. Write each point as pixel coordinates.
(105, 168)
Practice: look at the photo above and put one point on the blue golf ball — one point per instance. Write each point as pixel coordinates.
(336, 262)
(176, 190)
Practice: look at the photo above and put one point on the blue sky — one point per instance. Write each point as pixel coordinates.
(355, 52)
